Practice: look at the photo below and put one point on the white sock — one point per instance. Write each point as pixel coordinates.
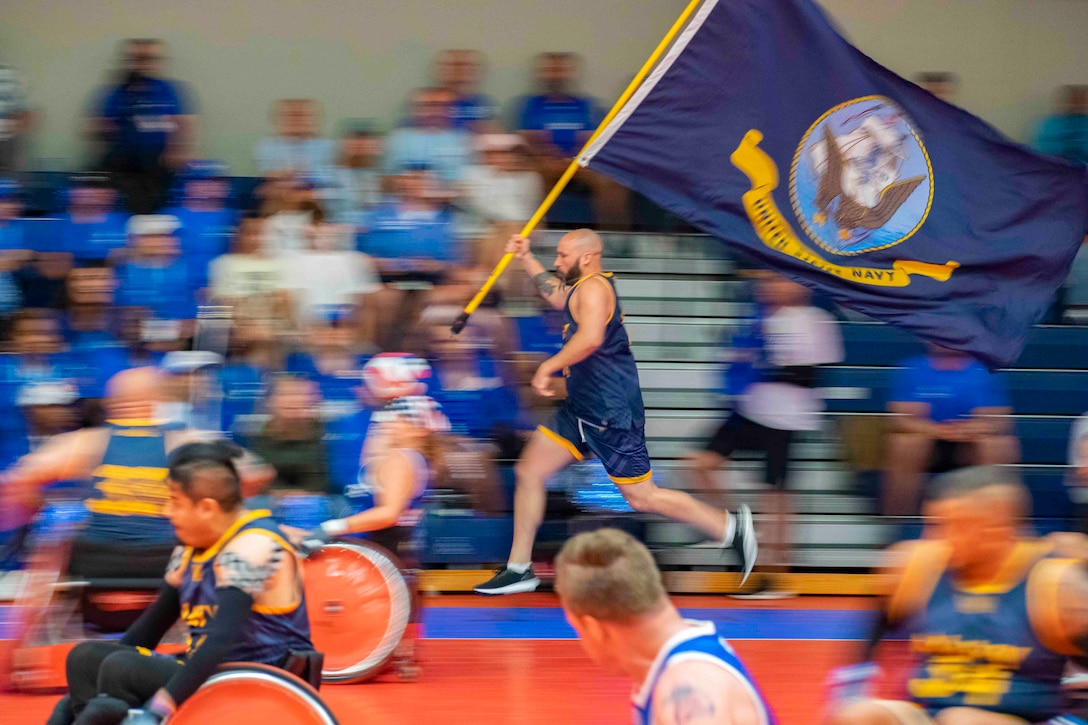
(518, 568)
(730, 529)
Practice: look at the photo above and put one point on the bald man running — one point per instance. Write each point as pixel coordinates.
(601, 416)
(126, 461)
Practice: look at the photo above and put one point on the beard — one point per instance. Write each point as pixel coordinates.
(573, 274)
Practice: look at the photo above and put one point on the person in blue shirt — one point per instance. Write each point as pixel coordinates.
(468, 381)
(412, 234)
(207, 225)
(430, 138)
(96, 353)
(415, 246)
(332, 360)
(14, 248)
(556, 123)
(155, 278)
(295, 149)
(459, 71)
(90, 230)
(145, 125)
(37, 355)
(949, 411)
(356, 187)
(1066, 134)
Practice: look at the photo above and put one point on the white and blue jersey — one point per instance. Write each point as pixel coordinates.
(362, 495)
(700, 642)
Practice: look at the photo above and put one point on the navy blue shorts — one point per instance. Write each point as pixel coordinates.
(622, 451)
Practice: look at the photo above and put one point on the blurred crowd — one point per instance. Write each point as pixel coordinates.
(264, 304)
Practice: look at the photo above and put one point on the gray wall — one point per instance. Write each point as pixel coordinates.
(359, 57)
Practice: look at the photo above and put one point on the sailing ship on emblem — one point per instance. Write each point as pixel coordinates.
(858, 174)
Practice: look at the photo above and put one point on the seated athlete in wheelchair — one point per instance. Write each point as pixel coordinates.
(386, 506)
(112, 559)
(235, 581)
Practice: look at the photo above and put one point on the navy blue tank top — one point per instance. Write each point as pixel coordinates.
(603, 389)
(979, 647)
(129, 486)
(270, 632)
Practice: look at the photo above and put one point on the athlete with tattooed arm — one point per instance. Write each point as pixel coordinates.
(684, 672)
(235, 581)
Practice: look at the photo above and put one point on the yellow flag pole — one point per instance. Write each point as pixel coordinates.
(561, 184)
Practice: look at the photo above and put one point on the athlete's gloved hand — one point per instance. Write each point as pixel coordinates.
(853, 682)
(322, 535)
(313, 541)
(143, 717)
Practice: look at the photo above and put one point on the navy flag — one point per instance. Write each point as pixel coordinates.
(764, 127)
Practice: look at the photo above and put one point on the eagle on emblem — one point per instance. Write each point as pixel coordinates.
(861, 170)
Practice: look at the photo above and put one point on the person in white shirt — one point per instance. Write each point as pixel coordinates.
(331, 273)
(249, 276)
(503, 188)
(781, 400)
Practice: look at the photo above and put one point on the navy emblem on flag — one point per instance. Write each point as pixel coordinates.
(861, 179)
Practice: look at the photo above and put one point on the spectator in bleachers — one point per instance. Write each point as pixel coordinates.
(357, 180)
(942, 84)
(155, 278)
(16, 117)
(14, 247)
(292, 441)
(90, 230)
(459, 71)
(331, 273)
(91, 323)
(332, 359)
(556, 123)
(503, 188)
(778, 400)
(296, 147)
(249, 277)
(49, 409)
(415, 247)
(286, 230)
(1066, 133)
(37, 356)
(146, 125)
(502, 192)
(949, 412)
(430, 140)
(207, 223)
(468, 381)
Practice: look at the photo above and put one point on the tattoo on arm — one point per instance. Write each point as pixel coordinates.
(547, 284)
(234, 571)
(687, 704)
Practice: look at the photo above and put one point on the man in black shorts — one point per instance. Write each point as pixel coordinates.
(780, 398)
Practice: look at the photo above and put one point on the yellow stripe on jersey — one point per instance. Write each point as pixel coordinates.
(211, 551)
(1023, 557)
(573, 449)
(634, 479)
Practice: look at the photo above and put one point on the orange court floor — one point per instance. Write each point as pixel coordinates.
(514, 660)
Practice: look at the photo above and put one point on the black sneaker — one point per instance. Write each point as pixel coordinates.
(506, 581)
(744, 541)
